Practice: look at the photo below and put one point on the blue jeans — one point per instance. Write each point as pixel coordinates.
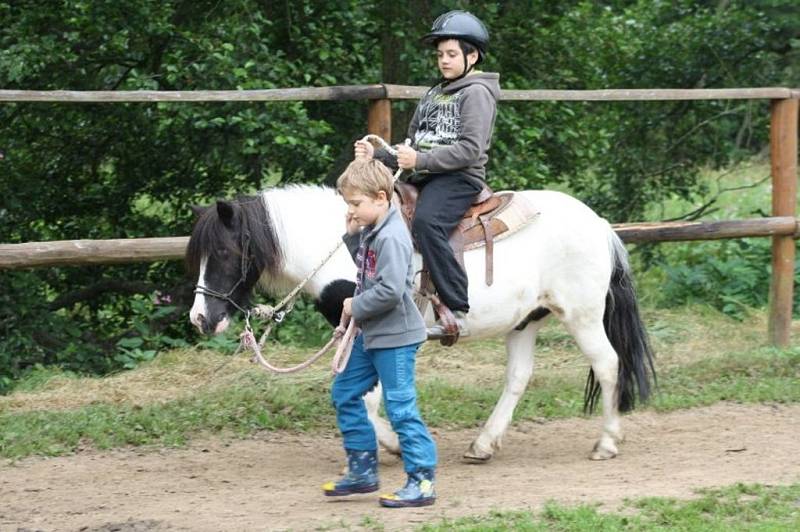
(395, 369)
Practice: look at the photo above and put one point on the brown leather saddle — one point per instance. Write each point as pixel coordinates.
(477, 228)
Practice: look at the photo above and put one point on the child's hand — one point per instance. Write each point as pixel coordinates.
(347, 306)
(351, 226)
(406, 157)
(364, 150)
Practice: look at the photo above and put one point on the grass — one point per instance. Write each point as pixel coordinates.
(703, 357)
(738, 507)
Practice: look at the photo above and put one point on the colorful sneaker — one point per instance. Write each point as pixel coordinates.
(361, 477)
(418, 491)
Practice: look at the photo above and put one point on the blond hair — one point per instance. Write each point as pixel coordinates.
(368, 177)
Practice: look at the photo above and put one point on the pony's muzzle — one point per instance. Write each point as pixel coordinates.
(200, 321)
(211, 327)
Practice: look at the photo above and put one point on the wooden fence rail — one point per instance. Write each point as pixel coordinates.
(390, 92)
(782, 227)
(127, 250)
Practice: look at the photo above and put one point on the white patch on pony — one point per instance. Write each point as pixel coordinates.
(199, 307)
(305, 218)
(383, 430)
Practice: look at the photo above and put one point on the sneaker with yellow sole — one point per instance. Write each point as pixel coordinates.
(418, 491)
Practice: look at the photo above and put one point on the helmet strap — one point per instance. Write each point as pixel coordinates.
(467, 67)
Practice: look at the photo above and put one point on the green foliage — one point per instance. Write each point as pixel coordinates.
(304, 326)
(95, 333)
(75, 171)
(620, 157)
(731, 275)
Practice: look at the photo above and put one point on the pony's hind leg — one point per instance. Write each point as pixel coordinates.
(383, 430)
(593, 342)
(520, 350)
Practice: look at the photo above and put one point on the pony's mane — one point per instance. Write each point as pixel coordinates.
(308, 193)
(211, 236)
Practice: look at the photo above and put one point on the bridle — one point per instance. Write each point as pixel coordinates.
(245, 264)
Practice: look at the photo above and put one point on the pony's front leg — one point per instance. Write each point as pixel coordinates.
(594, 343)
(383, 430)
(520, 350)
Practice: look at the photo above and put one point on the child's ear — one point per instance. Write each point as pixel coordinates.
(382, 196)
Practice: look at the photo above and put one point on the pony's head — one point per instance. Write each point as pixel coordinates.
(232, 245)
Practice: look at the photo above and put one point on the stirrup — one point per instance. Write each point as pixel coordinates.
(450, 327)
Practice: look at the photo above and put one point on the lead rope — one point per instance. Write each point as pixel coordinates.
(276, 315)
(248, 340)
(345, 347)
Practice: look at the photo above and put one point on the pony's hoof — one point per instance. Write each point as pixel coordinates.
(470, 459)
(603, 452)
(474, 456)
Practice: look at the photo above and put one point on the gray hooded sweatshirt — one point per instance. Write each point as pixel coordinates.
(384, 307)
(452, 127)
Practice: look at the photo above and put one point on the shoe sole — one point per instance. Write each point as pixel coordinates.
(388, 503)
(352, 491)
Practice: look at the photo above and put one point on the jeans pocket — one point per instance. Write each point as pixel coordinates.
(401, 405)
(401, 395)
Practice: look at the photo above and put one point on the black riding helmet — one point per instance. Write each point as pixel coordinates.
(461, 25)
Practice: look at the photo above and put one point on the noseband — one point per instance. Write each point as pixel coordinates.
(245, 267)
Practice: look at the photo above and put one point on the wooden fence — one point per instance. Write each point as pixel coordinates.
(783, 226)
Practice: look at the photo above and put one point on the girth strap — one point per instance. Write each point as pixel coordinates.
(487, 230)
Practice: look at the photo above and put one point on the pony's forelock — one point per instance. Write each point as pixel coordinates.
(210, 235)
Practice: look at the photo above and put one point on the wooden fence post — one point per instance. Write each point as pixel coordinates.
(783, 155)
(379, 119)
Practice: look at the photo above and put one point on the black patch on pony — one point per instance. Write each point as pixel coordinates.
(628, 337)
(220, 229)
(330, 299)
(535, 315)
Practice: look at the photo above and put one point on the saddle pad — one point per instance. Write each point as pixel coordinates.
(514, 213)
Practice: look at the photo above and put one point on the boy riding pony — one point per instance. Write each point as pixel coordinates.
(451, 132)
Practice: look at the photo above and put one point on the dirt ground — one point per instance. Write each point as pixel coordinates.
(273, 482)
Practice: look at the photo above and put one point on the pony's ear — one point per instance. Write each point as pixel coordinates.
(225, 211)
(197, 210)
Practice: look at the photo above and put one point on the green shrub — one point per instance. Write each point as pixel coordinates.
(730, 275)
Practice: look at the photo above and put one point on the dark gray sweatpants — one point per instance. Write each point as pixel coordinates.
(443, 200)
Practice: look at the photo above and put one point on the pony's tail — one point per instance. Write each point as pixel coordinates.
(626, 332)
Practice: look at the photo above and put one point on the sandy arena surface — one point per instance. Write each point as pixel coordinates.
(273, 482)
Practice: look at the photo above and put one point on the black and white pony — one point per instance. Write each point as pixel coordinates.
(567, 262)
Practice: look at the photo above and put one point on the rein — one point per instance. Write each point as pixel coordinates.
(386, 146)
